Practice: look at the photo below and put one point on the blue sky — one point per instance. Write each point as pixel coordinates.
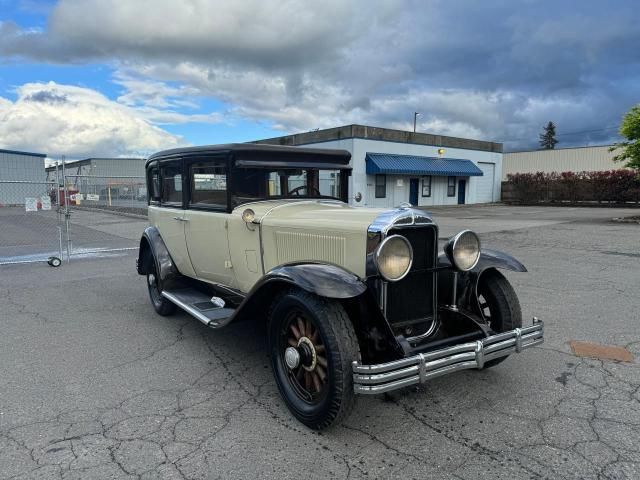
(89, 77)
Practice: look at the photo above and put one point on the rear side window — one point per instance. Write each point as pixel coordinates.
(154, 184)
(208, 185)
(171, 176)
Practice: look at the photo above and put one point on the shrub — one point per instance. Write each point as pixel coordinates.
(617, 186)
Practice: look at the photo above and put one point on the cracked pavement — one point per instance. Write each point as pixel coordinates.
(94, 384)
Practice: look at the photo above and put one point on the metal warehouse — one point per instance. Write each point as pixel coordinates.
(573, 159)
(101, 167)
(391, 167)
(25, 167)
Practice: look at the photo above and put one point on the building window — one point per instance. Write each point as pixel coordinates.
(426, 186)
(381, 186)
(451, 187)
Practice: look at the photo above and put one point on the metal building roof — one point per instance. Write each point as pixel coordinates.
(393, 164)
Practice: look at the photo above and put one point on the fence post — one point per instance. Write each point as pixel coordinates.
(66, 210)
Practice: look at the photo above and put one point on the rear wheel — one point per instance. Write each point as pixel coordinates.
(161, 305)
(499, 305)
(312, 344)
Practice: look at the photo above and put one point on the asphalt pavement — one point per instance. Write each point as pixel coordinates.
(94, 384)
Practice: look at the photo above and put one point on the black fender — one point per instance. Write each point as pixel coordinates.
(153, 249)
(376, 339)
(467, 291)
(322, 279)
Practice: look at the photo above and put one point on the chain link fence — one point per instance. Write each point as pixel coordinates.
(31, 224)
(76, 216)
(104, 213)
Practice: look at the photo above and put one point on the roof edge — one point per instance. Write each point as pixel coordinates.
(18, 152)
(381, 134)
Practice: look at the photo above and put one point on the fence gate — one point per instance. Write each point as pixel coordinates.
(77, 216)
(105, 214)
(31, 224)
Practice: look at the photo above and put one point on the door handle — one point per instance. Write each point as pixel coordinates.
(181, 219)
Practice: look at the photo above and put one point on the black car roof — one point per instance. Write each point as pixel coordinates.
(248, 154)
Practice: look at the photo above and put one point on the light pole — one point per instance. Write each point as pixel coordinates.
(415, 117)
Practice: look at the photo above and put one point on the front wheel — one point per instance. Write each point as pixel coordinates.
(312, 344)
(499, 306)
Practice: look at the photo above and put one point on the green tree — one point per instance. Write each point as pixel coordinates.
(629, 150)
(548, 137)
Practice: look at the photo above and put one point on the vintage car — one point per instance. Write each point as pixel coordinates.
(356, 300)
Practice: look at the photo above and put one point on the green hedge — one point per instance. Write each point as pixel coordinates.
(611, 186)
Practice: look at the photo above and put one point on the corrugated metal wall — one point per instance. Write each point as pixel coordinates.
(25, 167)
(559, 160)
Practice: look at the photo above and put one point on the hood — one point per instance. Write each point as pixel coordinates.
(322, 230)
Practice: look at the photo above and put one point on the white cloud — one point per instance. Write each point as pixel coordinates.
(74, 121)
(494, 70)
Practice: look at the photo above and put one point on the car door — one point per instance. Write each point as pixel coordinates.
(166, 213)
(206, 221)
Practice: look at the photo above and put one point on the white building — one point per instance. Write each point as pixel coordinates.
(576, 159)
(391, 167)
(26, 168)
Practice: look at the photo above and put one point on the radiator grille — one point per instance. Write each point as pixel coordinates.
(411, 300)
(295, 246)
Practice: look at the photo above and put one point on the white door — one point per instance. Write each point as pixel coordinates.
(484, 184)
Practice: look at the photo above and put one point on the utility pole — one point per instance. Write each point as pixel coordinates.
(415, 117)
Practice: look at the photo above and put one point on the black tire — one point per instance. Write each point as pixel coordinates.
(499, 305)
(317, 405)
(161, 305)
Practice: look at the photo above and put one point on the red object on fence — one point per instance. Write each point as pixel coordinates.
(69, 193)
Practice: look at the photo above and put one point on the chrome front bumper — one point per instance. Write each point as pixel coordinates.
(384, 377)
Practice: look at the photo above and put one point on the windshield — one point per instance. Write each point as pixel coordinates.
(253, 184)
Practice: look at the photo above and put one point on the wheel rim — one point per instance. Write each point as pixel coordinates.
(309, 378)
(489, 310)
(154, 289)
(484, 308)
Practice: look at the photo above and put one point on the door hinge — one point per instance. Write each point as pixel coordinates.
(227, 264)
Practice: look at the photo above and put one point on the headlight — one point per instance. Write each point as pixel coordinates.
(393, 258)
(463, 250)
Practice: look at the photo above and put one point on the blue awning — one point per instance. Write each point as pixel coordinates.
(386, 163)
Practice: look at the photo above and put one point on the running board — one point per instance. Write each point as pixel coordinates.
(198, 305)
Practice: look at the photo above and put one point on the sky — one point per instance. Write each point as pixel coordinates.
(87, 78)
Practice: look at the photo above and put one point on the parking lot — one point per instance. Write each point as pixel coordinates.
(94, 384)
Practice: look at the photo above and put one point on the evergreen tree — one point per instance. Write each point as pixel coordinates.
(548, 138)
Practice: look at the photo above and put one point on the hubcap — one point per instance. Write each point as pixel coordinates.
(292, 358)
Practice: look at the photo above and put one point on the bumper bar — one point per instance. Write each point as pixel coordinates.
(384, 377)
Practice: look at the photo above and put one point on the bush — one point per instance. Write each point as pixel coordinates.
(617, 186)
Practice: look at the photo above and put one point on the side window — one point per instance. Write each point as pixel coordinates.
(381, 186)
(208, 185)
(171, 178)
(426, 186)
(451, 187)
(154, 184)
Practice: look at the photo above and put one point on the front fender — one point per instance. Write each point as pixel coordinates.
(324, 280)
(467, 297)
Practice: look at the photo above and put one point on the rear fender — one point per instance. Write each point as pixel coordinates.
(153, 249)
(467, 291)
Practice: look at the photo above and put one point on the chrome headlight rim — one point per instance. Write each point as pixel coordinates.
(379, 250)
(451, 245)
